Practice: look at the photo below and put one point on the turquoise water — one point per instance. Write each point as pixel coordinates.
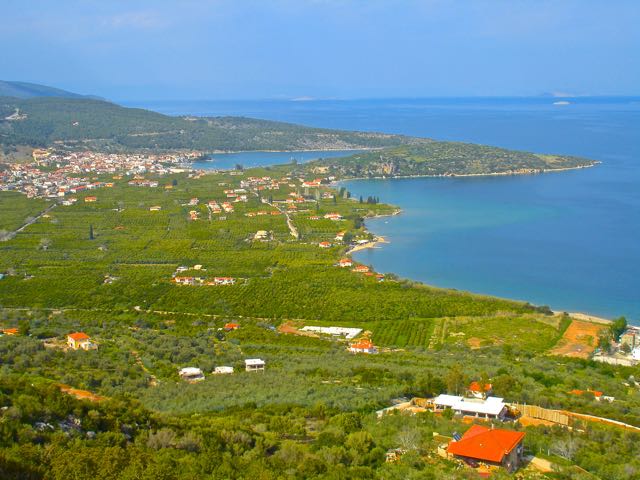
(570, 240)
(558, 239)
(225, 161)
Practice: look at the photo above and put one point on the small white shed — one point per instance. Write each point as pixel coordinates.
(191, 374)
(223, 370)
(254, 364)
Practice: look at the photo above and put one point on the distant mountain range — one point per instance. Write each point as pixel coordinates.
(31, 90)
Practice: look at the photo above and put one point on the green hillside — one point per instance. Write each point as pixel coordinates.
(102, 125)
(31, 90)
(445, 158)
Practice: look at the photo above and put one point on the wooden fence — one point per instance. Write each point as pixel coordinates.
(533, 411)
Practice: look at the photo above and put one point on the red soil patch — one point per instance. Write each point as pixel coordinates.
(579, 340)
(81, 394)
(289, 327)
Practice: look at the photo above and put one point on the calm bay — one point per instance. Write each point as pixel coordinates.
(570, 240)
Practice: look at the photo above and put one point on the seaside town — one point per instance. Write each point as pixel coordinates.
(54, 174)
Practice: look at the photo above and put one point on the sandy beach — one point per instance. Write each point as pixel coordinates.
(372, 244)
(584, 317)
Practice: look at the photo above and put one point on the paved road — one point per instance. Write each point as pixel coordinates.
(34, 219)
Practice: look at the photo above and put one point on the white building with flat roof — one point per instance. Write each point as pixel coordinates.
(491, 407)
(191, 374)
(223, 370)
(254, 364)
(348, 333)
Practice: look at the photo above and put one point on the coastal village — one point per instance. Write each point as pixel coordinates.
(493, 439)
(56, 174)
(63, 183)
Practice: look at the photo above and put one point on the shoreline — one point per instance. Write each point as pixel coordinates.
(464, 175)
(586, 317)
(379, 241)
(231, 152)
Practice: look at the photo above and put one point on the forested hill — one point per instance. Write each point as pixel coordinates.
(41, 122)
(445, 158)
(31, 90)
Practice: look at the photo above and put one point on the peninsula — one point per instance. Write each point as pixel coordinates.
(435, 158)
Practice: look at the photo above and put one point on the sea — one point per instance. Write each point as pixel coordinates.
(569, 240)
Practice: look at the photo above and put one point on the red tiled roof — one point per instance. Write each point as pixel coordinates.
(476, 387)
(362, 345)
(486, 444)
(78, 336)
(596, 393)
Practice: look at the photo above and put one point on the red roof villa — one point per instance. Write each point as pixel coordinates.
(490, 445)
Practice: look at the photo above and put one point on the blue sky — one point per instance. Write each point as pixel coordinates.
(231, 49)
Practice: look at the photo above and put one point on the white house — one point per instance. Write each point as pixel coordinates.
(191, 374)
(254, 364)
(345, 262)
(80, 341)
(491, 407)
(223, 370)
(261, 235)
(348, 333)
(363, 346)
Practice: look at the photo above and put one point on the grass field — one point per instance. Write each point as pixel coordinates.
(531, 332)
(16, 209)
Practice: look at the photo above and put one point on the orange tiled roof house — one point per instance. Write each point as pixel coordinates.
(490, 445)
(80, 340)
(363, 346)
